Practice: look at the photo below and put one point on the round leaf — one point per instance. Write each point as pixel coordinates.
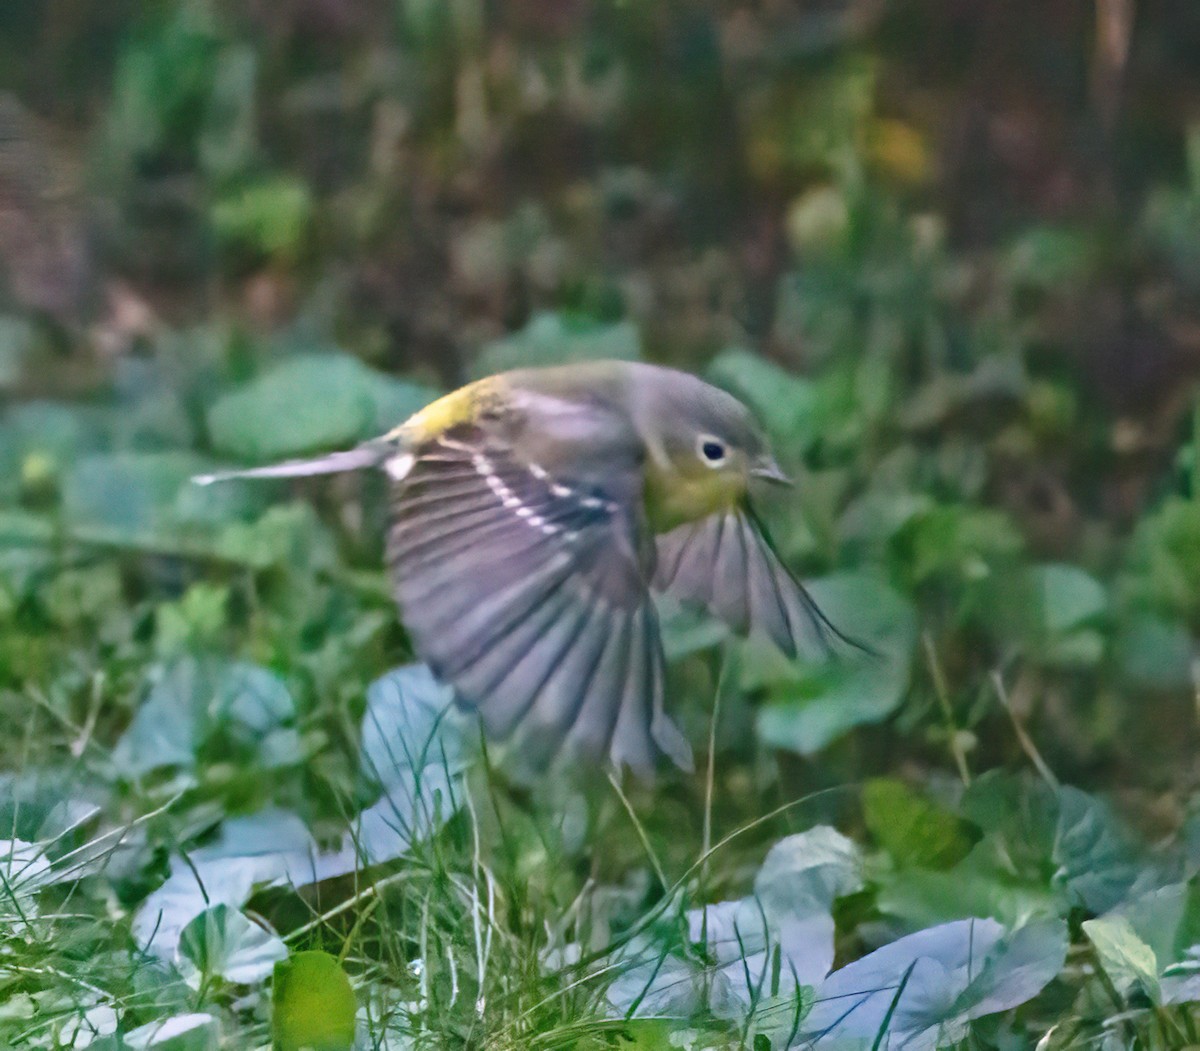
(312, 402)
(314, 1004)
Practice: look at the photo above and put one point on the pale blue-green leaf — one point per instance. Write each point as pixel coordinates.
(921, 991)
(1068, 597)
(804, 873)
(1160, 927)
(1033, 829)
(254, 699)
(265, 849)
(222, 942)
(82, 1030)
(286, 746)
(653, 982)
(808, 707)
(55, 432)
(412, 808)
(764, 951)
(411, 724)
(1154, 652)
(415, 744)
(189, 1032)
(412, 747)
(24, 870)
(140, 492)
(758, 954)
(314, 401)
(191, 698)
(1024, 963)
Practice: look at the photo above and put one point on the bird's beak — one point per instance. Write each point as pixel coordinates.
(769, 470)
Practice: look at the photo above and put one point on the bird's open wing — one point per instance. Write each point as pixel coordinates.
(527, 593)
(726, 564)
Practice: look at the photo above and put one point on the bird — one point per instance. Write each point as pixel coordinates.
(536, 513)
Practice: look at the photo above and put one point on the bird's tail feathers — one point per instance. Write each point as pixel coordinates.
(370, 454)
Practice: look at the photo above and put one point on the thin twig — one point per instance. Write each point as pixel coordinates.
(637, 825)
(942, 692)
(1023, 738)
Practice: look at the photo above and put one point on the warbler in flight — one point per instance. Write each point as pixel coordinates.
(535, 512)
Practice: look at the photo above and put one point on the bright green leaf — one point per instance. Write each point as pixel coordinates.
(1127, 960)
(913, 830)
(314, 1004)
(270, 216)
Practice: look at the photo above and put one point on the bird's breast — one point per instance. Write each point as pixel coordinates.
(673, 497)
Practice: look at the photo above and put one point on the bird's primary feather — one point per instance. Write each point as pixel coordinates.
(529, 594)
(725, 563)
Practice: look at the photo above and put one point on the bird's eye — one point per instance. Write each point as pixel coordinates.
(712, 451)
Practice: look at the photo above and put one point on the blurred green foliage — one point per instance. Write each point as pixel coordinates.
(951, 256)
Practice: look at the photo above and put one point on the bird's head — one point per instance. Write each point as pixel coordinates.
(705, 445)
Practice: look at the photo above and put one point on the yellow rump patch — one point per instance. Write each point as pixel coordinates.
(450, 410)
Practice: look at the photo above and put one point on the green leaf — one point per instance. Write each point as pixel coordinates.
(559, 339)
(804, 873)
(129, 491)
(1156, 653)
(288, 535)
(1067, 597)
(1127, 960)
(1053, 610)
(24, 869)
(975, 887)
(1016, 970)
(1152, 943)
(1056, 838)
(1165, 559)
(222, 942)
(311, 402)
(1049, 257)
(191, 699)
(912, 829)
(958, 542)
(782, 401)
(270, 217)
(314, 1004)
(809, 707)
